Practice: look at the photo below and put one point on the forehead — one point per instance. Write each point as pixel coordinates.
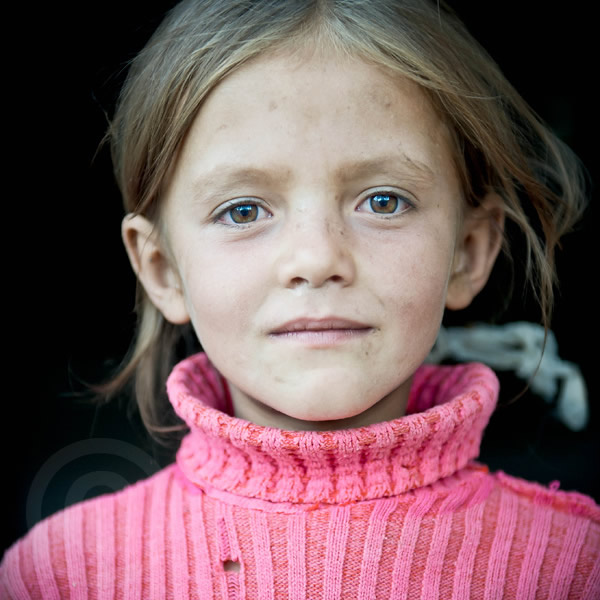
(288, 113)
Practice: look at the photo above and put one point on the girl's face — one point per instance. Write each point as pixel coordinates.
(314, 220)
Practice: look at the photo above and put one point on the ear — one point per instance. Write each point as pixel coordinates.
(478, 245)
(153, 268)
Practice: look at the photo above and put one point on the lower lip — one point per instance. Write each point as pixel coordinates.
(322, 337)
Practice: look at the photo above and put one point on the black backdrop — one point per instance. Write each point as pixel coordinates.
(70, 290)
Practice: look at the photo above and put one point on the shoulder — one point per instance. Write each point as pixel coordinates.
(551, 538)
(81, 544)
(566, 503)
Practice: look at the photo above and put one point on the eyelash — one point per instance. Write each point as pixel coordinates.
(222, 216)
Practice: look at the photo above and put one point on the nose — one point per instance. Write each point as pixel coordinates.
(316, 251)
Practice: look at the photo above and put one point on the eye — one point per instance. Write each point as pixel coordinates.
(242, 214)
(385, 203)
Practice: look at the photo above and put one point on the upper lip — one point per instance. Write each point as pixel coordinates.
(312, 324)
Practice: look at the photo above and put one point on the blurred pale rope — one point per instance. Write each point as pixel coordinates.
(518, 347)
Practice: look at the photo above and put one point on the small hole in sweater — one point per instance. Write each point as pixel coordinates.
(232, 566)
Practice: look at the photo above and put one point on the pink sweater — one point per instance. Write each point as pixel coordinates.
(396, 510)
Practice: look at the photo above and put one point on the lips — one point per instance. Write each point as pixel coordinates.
(316, 325)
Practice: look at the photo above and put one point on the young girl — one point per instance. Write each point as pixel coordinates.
(309, 185)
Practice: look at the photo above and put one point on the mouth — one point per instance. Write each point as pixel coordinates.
(321, 332)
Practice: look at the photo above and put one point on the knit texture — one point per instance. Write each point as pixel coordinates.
(396, 510)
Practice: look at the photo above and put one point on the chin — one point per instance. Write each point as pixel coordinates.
(320, 416)
(331, 400)
(318, 406)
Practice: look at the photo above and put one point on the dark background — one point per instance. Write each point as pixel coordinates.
(69, 286)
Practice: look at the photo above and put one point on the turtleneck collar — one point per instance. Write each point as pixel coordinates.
(448, 410)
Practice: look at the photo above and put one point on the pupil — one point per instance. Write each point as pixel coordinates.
(384, 203)
(245, 213)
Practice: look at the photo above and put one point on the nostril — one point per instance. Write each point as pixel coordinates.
(300, 281)
(297, 281)
(231, 566)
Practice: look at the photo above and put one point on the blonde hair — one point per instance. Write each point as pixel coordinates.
(500, 143)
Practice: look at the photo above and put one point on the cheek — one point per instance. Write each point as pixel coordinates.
(416, 285)
(221, 296)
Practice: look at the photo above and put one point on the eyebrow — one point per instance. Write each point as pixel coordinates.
(230, 175)
(401, 164)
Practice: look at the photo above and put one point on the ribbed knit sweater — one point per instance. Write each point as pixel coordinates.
(396, 510)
